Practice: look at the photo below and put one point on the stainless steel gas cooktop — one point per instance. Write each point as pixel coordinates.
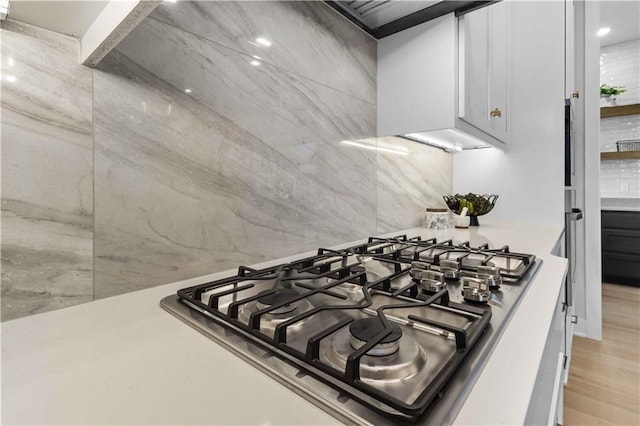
(395, 330)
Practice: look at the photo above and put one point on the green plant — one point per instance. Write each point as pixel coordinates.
(611, 90)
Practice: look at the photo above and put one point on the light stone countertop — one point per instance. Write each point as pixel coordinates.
(124, 360)
(620, 204)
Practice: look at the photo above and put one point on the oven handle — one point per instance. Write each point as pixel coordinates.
(573, 216)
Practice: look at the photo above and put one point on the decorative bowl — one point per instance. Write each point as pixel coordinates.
(476, 204)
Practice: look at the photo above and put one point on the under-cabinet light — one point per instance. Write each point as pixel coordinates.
(433, 141)
(448, 139)
(603, 31)
(376, 148)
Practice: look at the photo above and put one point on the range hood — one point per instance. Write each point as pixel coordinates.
(382, 18)
(417, 81)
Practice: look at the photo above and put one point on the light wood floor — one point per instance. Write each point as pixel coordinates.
(604, 377)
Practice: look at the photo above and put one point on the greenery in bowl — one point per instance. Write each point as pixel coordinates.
(476, 204)
(607, 90)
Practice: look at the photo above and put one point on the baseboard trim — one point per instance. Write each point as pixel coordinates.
(579, 329)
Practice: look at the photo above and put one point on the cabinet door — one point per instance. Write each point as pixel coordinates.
(547, 395)
(476, 69)
(485, 69)
(568, 341)
(498, 70)
(569, 59)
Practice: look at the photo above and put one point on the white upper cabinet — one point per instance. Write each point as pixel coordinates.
(417, 79)
(570, 55)
(445, 82)
(483, 79)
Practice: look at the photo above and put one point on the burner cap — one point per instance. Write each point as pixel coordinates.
(365, 329)
(281, 295)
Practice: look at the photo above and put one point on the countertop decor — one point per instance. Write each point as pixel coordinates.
(476, 204)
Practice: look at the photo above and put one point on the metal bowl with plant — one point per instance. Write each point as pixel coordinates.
(476, 204)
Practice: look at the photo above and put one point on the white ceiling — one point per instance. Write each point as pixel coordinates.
(623, 17)
(67, 17)
(74, 17)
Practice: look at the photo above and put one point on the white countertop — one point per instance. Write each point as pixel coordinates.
(124, 360)
(620, 204)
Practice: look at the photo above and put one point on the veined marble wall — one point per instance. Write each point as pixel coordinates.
(47, 174)
(411, 177)
(269, 153)
(247, 166)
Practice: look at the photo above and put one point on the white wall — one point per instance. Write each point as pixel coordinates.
(620, 66)
(529, 175)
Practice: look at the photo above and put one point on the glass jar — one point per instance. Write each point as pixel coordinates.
(437, 219)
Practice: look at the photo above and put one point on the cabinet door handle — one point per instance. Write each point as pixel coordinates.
(496, 113)
(575, 94)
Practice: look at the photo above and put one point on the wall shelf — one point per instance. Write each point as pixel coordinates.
(623, 155)
(620, 110)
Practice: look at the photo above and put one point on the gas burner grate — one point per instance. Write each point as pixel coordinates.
(513, 266)
(383, 322)
(275, 307)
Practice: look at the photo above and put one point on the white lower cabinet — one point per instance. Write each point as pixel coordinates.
(569, 324)
(545, 406)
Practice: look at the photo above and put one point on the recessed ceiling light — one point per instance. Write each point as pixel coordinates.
(603, 31)
(263, 41)
(187, 90)
(255, 63)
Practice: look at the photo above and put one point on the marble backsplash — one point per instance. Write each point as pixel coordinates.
(47, 173)
(216, 187)
(253, 163)
(272, 177)
(307, 39)
(407, 184)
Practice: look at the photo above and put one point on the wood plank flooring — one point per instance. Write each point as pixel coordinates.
(604, 378)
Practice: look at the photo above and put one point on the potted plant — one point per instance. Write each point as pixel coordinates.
(607, 91)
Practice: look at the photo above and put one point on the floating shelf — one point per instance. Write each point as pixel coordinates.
(622, 155)
(618, 111)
